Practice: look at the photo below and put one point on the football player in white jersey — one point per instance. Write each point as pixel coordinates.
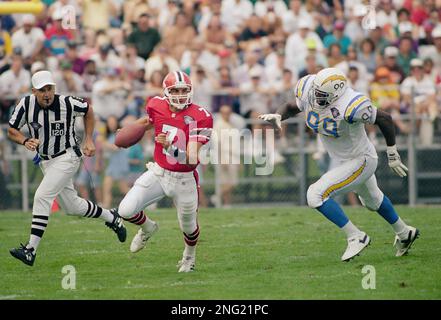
(338, 114)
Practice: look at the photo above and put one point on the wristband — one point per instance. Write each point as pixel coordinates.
(25, 140)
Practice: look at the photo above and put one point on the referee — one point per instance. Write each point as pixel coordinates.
(50, 120)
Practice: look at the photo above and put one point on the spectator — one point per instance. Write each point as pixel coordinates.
(117, 169)
(144, 37)
(390, 61)
(97, 14)
(226, 92)
(387, 15)
(178, 37)
(253, 33)
(131, 63)
(67, 81)
(434, 51)
(334, 55)
(254, 95)
(325, 25)
(154, 85)
(57, 37)
(263, 7)
(405, 54)
(296, 48)
(235, 13)
(29, 39)
(89, 175)
(418, 90)
(351, 60)
(385, 95)
(367, 55)
(90, 75)
(338, 36)
(161, 61)
(297, 12)
(78, 63)
(105, 59)
(109, 96)
(215, 36)
(203, 86)
(13, 84)
(228, 152)
(356, 82)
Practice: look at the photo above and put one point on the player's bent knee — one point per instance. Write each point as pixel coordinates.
(373, 202)
(188, 222)
(127, 209)
(314, 197)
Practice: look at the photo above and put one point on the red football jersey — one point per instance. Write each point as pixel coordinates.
(193, 123)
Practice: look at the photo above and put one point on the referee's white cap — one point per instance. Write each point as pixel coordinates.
(41, 79)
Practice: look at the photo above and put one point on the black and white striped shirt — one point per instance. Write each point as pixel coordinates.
(54, 126)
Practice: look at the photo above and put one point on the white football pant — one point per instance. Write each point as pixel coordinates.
(58, 182)
(356, 175)
(157, 183)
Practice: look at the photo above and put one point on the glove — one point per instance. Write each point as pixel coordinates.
(395, 163)
(273, 118)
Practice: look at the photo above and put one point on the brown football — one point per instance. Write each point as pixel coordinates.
(129, 135)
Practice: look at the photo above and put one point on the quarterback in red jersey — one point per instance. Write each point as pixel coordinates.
(181, 129)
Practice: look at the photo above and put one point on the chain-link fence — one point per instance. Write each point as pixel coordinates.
(297, 161)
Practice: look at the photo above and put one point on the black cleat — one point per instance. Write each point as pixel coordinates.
(117, 225)
(27, 256)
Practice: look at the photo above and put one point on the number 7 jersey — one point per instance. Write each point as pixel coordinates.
(340, 125)
(193, 123)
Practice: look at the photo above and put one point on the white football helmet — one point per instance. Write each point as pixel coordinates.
(328, 85)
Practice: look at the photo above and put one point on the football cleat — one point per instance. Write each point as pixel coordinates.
(186, 264)
(403, 245)
(355, 245)
(117, 225)
(140, 239)
(27, 256)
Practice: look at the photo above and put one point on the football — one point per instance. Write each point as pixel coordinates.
(129, 135)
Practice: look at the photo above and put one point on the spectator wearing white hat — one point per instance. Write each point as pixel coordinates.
(57, 36)
(434, 51)
(296, 13)
(354, 28)
(296, 47)
(29, 38)
(418, 90)
(390, 62)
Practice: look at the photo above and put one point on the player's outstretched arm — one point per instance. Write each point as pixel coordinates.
(286, 111)
(385, 123)
(146, 122)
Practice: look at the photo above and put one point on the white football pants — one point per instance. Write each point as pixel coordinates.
(58, 182)
(356, 175)
(156, 183)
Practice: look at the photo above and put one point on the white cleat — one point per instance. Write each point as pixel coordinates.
(404, 245)
(186, 264)
(355, 245)
(140, 239)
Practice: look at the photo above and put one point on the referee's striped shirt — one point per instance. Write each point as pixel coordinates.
(54, 126)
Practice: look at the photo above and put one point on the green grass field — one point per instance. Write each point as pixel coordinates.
(280, 253)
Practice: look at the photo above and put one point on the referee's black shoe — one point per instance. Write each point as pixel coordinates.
(117, 225)
(27, 256)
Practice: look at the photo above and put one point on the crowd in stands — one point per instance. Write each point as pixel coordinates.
(245, 54)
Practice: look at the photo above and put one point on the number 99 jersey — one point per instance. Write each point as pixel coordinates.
(341, 124)
(193, 123)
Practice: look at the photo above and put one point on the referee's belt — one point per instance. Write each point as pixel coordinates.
(76, 149)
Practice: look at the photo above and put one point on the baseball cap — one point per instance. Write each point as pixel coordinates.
(57, 15)
(28, 19)
(436, 32)
(37, 66)
(311, 43)
(391, 52)
(41, 79)
(416, 62)
(304, 24)
(404, 27)
(339, 25)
